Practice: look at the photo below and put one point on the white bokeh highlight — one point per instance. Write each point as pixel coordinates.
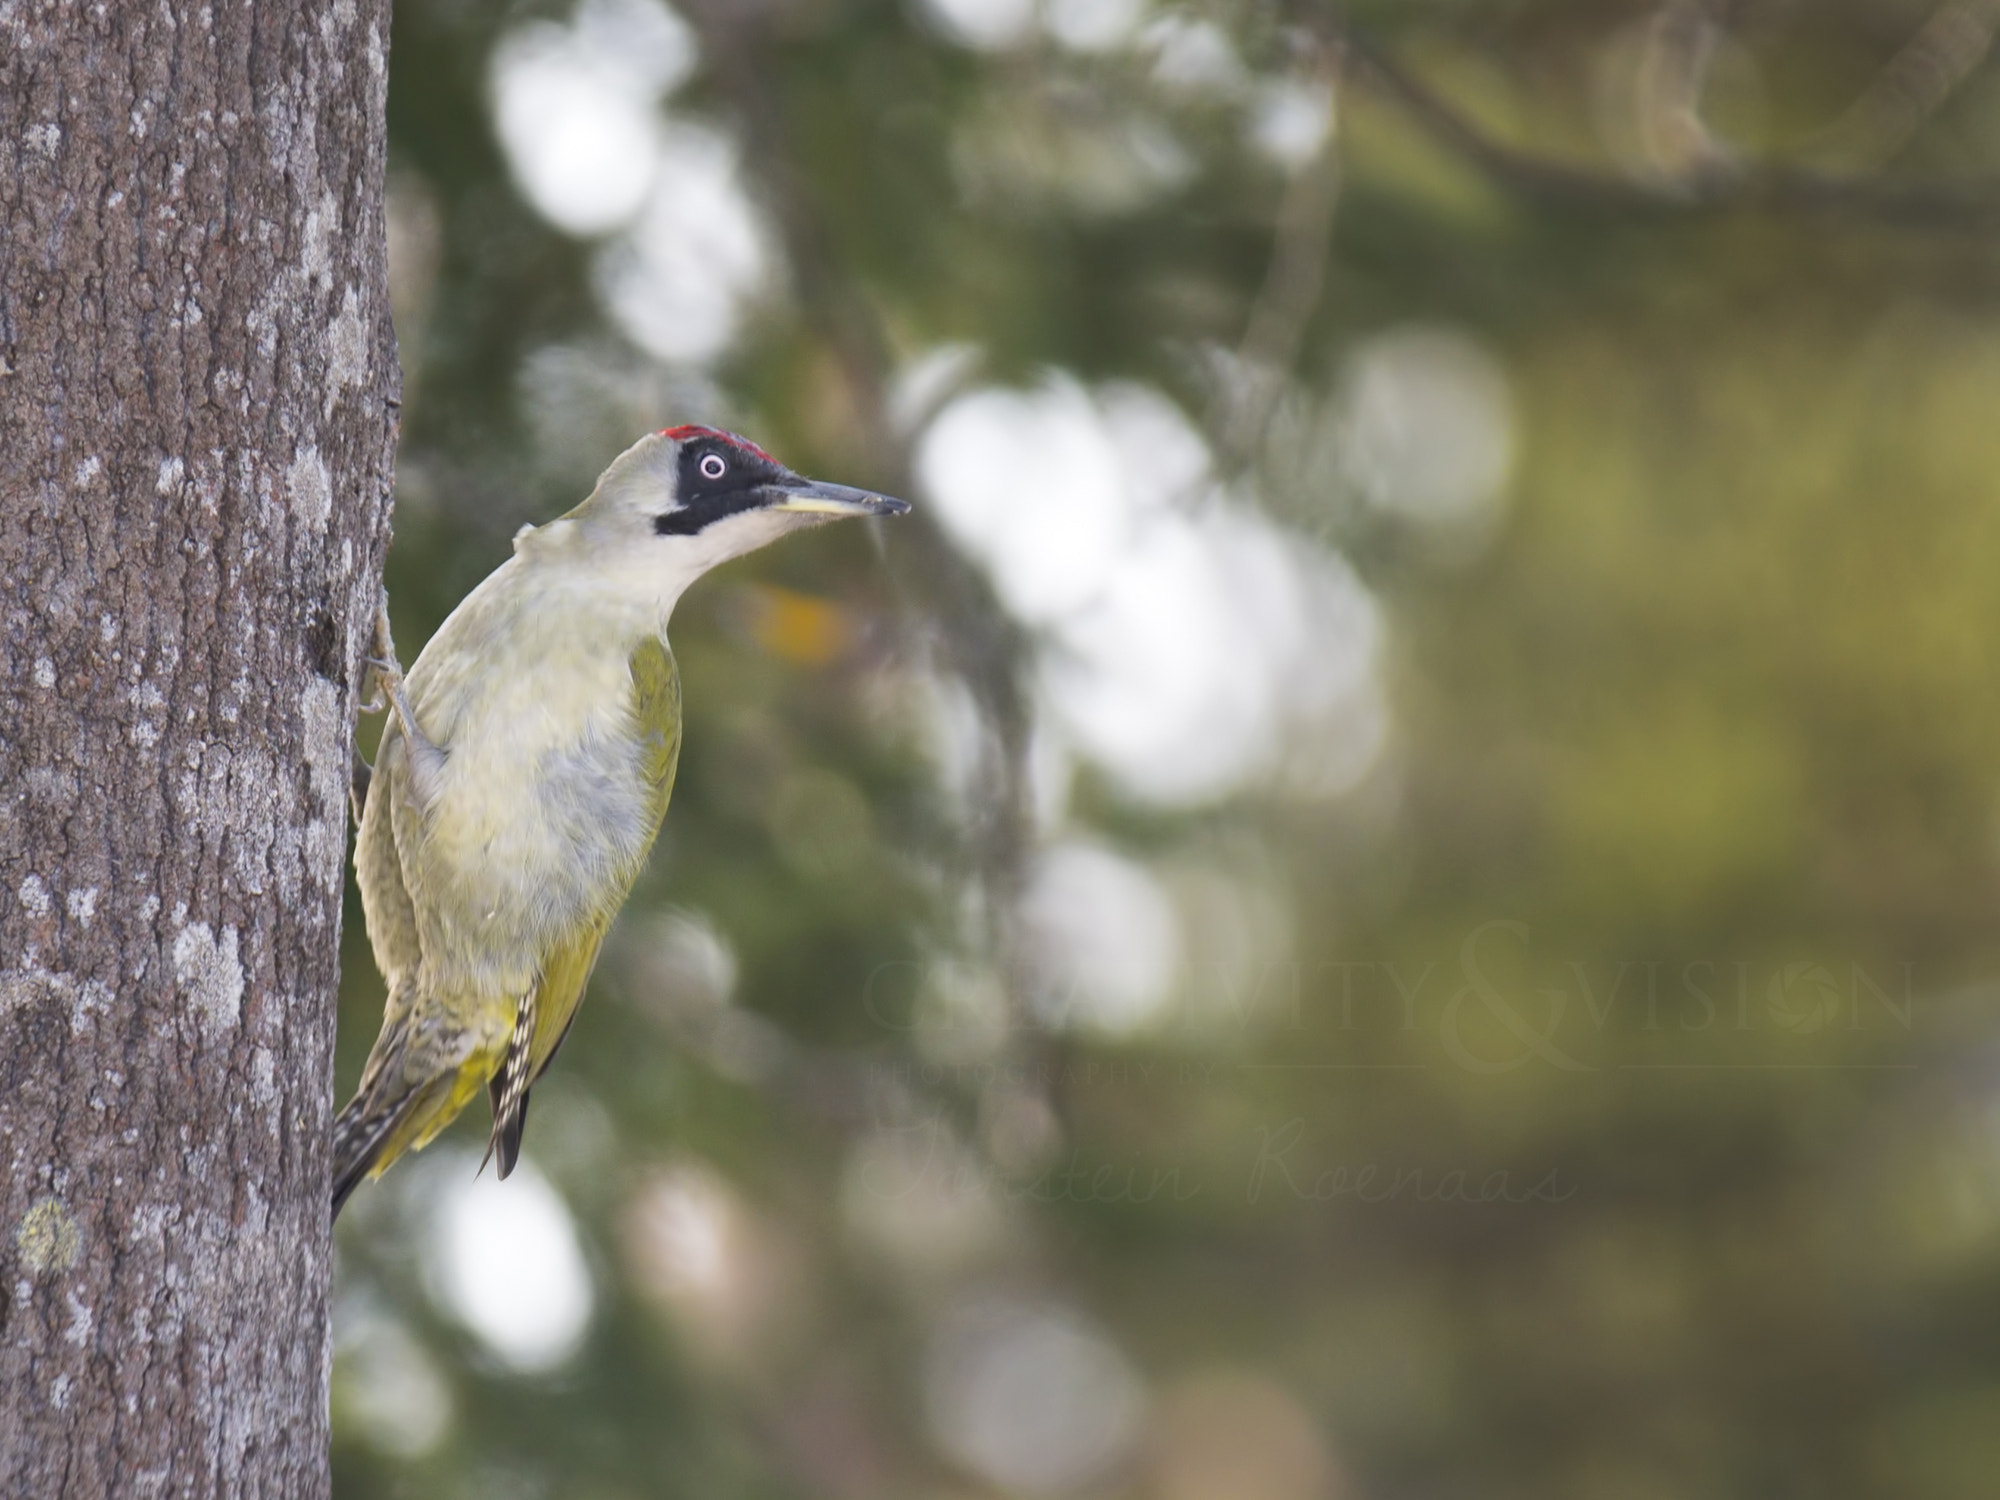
(697, 1249)
(1193, 55)
(1092, 25)
(576, 108)
(920, 1199)
(686, 1222)
(1050, 515)
(1030, 1396)
(1290, 119)
(678, 281)
(1426, 426)
(579, 109)
(385, 1382)
(986, 25)
(1190, 646)
(504, 1260)
(1104, 937)
(996, 25)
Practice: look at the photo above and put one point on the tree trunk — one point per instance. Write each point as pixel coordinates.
(197, 413)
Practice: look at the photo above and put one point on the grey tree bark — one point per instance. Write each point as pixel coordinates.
(198, 390)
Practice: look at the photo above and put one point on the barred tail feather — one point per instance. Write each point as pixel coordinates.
(386, 1112)
(361, 1132)
(509, 1089)
(424, 1068)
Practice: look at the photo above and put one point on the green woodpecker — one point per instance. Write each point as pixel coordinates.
(523, 774)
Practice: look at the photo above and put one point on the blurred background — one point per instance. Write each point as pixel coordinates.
(1389, 890)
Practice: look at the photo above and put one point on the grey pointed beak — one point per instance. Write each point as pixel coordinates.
(814, 497)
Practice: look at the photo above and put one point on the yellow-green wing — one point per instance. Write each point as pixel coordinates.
(656, 707)
(378, 867)
(656, 711)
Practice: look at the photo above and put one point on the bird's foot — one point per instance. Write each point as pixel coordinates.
(385, 689)
(384, 683)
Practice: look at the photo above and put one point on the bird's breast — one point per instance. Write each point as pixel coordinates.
(543, 814)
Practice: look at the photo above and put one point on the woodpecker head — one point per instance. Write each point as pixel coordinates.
(678, 502)
(719, 476)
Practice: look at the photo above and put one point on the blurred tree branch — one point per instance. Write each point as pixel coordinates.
(1292, 285)
(973, 633)
(1709, 182)
(1914, 84)
(951, 607)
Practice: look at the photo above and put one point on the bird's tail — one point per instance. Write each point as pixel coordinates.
(509, 1088)
(362, 1133)
(401, 1102)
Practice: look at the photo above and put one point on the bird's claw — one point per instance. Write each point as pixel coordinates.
(385, 680)
(385, 688)
(383, 683)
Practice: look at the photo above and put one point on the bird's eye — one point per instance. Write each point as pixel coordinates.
(713, 466)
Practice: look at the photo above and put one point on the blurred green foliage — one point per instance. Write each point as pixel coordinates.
(1604, 1097)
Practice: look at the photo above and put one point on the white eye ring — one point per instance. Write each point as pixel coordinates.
(712, 466)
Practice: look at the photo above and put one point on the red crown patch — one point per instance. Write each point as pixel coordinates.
(682, 434)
